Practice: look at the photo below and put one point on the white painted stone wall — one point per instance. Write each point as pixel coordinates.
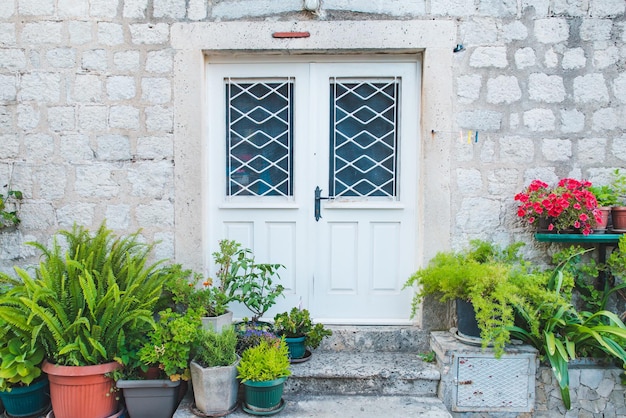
(87, 105)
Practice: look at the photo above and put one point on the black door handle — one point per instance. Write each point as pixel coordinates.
(318, 198)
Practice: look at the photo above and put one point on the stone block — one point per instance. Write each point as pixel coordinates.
(39, 147)
(152, 179)
(479, 31)
(540, 7)
(8, 88)
(121, 87)
(607, 8)
(80, 32)
(7, 34)
(551, 59)
(556, 149)
(118, 216)
(197, 9)
(234, 9)
(551, 30)
(96, 180)
(604, 119)
(92, 118)
(61, 57)
(87, 88)
(10, 146)
(35, 7)
(619, 87)
(460, 8)
(156, 90)
(502, 180)
(592, 151)
(124, 117)
(164, 249)
(76, 213)
(525, 58)
(61, 118)
(503, 89)
(110, 34)
(386, 7)
(570, 7)
(37, 216)
(574, 58)
(546, 88)
(7, 9)
(42, 33)
(113, 148)
(6, 119)
(159, 119)
(603, 58)
(497, 8)
(173, 9)
(103, 8)
(514, 31)
(28, 117)
(596, 29)
(95, 60)
(135, 9)
(160, 62)
(590, 88)
(516, 149)
(489, 57)
(127, 61)
(73, 8)
(468, 88)
(12, 59)
(482, 120)
(76, 148)
(469, 181)
(155, 147)
(572, 121)
(41, 87)
(159, 213)
(149, 34)
(478, 215)
(539, 120)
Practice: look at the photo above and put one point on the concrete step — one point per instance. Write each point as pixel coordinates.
(358, 339)
(307, 406)
(349, 373)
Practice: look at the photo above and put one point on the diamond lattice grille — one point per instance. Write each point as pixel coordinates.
(259, 138)
(364, 138)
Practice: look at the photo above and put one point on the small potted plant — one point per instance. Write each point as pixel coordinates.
(164, 363)
(9, 204)
(299, 331)
(263, 369)
(214, 371)
(24, 389)
(606, 198)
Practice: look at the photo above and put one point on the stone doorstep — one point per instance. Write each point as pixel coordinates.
(353, 338)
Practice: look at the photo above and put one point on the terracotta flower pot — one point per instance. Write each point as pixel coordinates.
(82, 391)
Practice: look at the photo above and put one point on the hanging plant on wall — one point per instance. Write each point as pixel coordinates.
(9, 205)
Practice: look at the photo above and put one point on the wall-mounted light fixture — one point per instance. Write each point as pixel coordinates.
(311, 5)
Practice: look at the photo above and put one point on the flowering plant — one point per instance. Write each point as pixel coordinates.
(568, 205)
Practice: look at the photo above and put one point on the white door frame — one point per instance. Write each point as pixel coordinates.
(194, 42)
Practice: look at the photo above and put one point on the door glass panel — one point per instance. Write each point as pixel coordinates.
(259, 137)
(363, 137)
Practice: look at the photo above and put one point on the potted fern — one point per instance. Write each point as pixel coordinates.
(263, 369)
(214, 372)
(299, 331)
(84, 300)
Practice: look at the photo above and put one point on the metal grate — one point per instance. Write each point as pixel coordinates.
(364, 137)
(485, 383)
(259, 143)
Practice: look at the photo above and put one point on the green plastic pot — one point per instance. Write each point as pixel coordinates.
(296, 346)
(263, 396)
(27, 400)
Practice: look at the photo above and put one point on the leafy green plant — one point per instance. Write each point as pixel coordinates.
(298, 323)
(246, 281)
(268, 360)
(605, 195)
(21, 360)
(83, 305)
(215, 349)
(550, 322)
(9, 204)
(169, 345)
(481, 275)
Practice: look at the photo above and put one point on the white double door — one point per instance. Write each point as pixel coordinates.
(276, 131)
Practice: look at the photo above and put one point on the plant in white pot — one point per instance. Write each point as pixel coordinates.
(214, 372)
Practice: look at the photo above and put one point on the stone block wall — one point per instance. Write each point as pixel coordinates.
(87, 105)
